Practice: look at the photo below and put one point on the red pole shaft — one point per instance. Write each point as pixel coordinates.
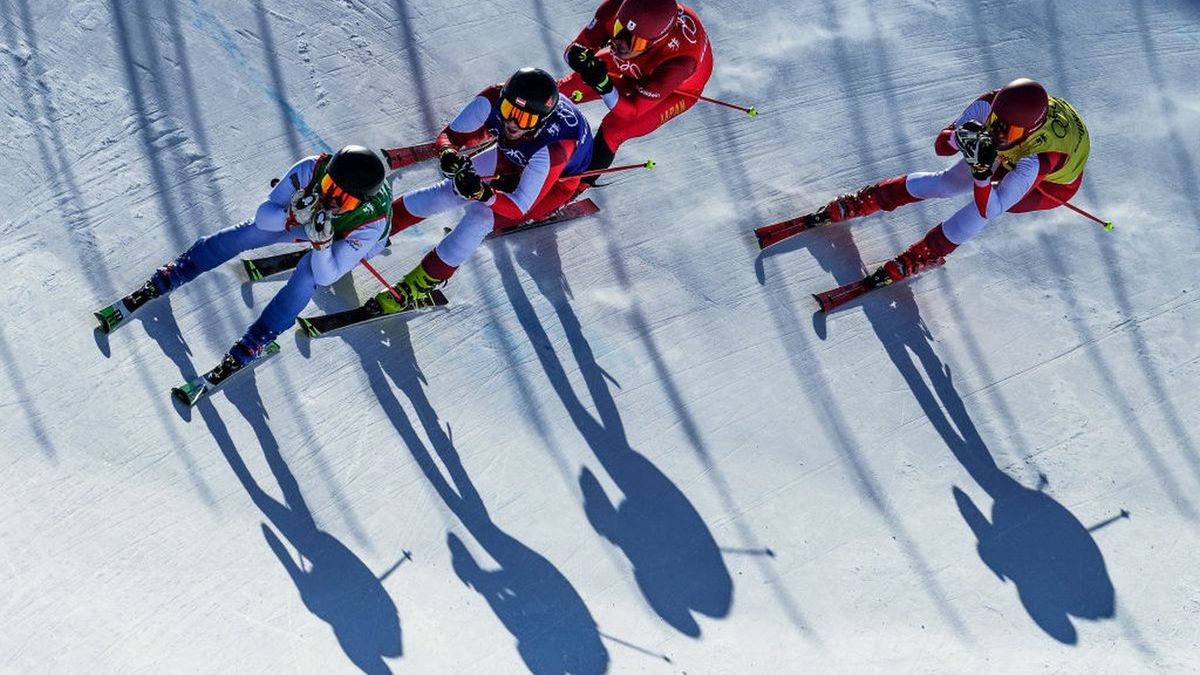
(614, 169)
(751, 111)
(648, 164)
(372, 270)
(1106, 223)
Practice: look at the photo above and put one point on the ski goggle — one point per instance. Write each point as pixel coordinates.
(342, 199)
(1005, 134)
(632, 42)
(524, 119)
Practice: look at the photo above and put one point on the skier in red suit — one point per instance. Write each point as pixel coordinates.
(1022, 150)
(648, 60)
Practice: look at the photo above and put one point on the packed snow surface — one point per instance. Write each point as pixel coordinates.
(630, 444)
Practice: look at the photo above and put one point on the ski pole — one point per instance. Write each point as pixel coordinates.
(648, 164)
(372, 270)
(577, 96)
(1108, 224)
(751, 111)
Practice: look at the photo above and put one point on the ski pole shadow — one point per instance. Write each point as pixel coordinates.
(411, 42)
(41, 112)
(676, 561)
(335, 585)
(1032, 540)
(554, 629)
(16, 381)
(271, 59)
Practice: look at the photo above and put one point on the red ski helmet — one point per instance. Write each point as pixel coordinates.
(640, 22)
(1018, 110)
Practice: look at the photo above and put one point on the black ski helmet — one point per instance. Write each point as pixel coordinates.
(532, 91)
(358, 171)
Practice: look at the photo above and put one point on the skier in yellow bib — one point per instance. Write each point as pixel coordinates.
(1022, 150)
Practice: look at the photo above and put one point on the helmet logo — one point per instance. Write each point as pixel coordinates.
(631, 25)
(521, 103)
(690, 31)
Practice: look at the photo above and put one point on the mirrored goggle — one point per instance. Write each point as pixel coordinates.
(1004, 133)
(633, 42)
(342, 199)
(524, 119)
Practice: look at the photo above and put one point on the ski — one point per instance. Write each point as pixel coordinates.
(398, 158)
(401, 157)
(258, 269)
(202, 386)
(114, 316)
(326, 324)
(571, 211)
(836, 297)
(769, 235)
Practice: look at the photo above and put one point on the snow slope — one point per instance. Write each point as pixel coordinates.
(629, 445)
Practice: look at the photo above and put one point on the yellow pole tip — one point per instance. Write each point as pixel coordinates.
(650, 164)
(577, 96)
(753, 112)
(1108, 226)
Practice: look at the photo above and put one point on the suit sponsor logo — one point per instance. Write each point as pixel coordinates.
(515, 156)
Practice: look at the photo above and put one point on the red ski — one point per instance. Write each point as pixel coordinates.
(398, 158)
(571, 211)
(834, 298)
(769, 235)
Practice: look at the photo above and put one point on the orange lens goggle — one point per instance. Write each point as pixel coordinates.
(343, 199)
(524, 120)
(635, 43)
(1004, 134)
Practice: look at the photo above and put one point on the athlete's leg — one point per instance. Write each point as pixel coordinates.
(414, 206)
(279, 314)
(213, 250)
(952, 181)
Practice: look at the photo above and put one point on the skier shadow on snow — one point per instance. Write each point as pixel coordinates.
(334, 584)
(555, 631)
(676, 562)
(1032, 540)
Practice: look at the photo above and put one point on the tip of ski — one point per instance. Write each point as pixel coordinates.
(834, 298)
(769, 235)
(202, 386)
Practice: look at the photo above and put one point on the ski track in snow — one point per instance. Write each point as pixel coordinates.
(629, 444)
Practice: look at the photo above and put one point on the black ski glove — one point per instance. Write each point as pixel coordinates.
(595, 75)
(985, 158)
(452, 161)
(977, 148)
(577, 57)
(469, 185)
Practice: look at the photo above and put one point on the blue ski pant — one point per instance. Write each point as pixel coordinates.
(220, 247)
